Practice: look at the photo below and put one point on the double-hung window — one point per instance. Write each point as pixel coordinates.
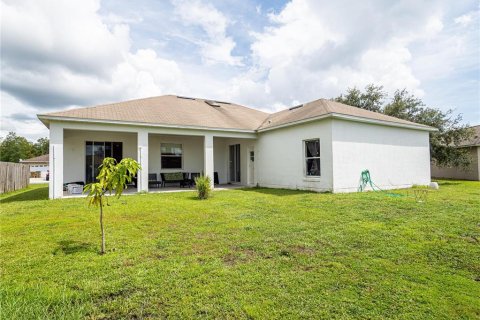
(312, 157)
(171, 155)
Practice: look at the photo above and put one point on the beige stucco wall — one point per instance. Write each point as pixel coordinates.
(472, 172)
(193, 156)
(193, 152)
(74, 149)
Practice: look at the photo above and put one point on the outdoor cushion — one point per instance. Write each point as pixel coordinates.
(173, 176)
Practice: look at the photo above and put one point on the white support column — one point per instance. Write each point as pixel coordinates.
(142, 175)
(55, 185)
(208, 157)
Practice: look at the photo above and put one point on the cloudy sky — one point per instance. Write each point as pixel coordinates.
(58, 54)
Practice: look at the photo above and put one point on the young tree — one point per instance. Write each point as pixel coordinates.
(13, 148)
(444, 143)
(112, 177)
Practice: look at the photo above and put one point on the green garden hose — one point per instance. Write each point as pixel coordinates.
(366, 180)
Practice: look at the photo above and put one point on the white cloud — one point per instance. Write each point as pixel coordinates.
(60, 53)
(56, 53)
(314, 49)
(216, 46)
(465, 19)
(19, 117)
(144, 74)
(65, 33)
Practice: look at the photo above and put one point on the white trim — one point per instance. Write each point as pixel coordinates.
(305, 158)
(159, 125)
(141, 124)
(383, 122)
(352, 118)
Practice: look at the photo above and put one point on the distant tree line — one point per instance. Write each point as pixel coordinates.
(14, 147)
(444, 143)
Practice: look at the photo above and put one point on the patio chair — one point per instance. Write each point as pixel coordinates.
(152, 180)
(187, 182)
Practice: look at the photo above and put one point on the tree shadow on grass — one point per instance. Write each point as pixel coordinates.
(71, 247)
(448, 183)
(29, 195)
(277, 192)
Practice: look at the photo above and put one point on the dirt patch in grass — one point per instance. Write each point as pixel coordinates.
(239, 255)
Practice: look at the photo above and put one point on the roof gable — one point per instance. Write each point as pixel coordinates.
(42, 158)
(474, 140)
(187, 112)
(324, 107)
(172, 110)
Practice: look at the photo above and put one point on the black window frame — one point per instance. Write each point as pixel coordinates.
(174, 157)
(115, 150)
(307, 158)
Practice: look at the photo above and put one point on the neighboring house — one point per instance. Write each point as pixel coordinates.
(319, 146)
(38, 166)
(472, 172)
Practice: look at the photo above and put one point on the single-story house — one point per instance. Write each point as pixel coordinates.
(38, 166)
(320, 146)
(472, 172)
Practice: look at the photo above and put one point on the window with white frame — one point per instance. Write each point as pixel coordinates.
(171, 155)
(312, 157)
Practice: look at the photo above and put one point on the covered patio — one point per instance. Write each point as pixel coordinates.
(77, 152)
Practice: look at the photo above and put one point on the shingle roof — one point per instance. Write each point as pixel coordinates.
(475, 140)
(323, 107)
(192, 112)
(42, 158)
(173, 110)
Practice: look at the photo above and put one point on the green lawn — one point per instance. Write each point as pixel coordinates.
(255, 253)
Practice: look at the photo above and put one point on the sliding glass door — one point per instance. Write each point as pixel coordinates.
(95, 152)
(234, 152)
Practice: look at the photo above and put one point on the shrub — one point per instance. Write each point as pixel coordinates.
(203, 186)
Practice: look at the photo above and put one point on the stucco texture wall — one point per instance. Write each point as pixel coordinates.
(193, 152)
(396, 157)
(280, 157)
(74, 149)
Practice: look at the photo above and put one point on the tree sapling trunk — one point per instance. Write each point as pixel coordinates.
(101, 227)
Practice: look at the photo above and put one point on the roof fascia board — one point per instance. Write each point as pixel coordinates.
(141, 124)
(351, 118)
(383, 122)
(45, 119)
(293, 123)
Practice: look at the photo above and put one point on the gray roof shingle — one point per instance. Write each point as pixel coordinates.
(193, 112)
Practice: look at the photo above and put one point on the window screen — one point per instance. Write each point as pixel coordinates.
(171, 155)
(312, 158)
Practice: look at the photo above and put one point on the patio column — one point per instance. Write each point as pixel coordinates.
(142, 158)
(55, 183)
(208, 157)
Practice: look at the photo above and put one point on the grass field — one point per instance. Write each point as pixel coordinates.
(254, 253)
